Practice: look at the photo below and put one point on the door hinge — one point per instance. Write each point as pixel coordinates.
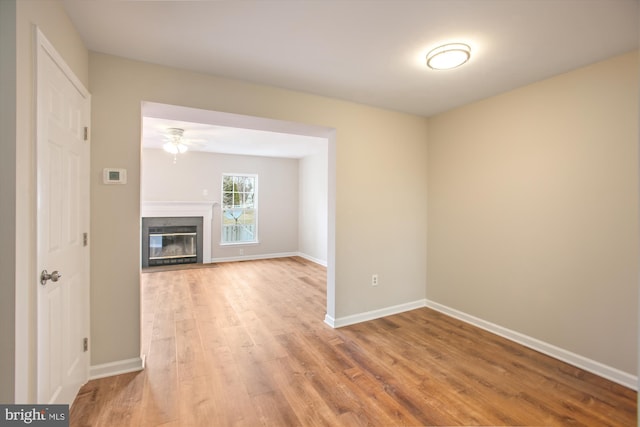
(85, 239)
(85, 344)
(86, 133)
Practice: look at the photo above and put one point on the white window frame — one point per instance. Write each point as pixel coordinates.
(223, 210)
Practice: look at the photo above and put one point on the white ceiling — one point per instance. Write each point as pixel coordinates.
(366, 51)
(228, 133)
(231, 140)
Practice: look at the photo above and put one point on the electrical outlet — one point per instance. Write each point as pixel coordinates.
(374, 280)
(241, 251)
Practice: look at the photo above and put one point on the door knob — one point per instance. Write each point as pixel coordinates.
(45, 275)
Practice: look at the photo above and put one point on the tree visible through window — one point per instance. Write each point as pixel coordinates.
(239, 208)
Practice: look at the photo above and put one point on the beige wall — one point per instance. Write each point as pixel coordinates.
(533, 211)
(51, 18)
(380, 171)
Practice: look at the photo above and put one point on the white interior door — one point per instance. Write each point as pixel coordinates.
(63, 217)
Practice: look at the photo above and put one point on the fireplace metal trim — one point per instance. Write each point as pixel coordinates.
(184, 209)
(155, 222)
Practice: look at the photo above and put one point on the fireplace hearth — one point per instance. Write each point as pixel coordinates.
(171, 241)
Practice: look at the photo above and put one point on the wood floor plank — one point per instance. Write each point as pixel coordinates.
(127, 401)
(88, 405)
(198, 407)
(160, 395)
(228, 390)
(189, 350)
(244, 344)
(302, 398)
(273, 410)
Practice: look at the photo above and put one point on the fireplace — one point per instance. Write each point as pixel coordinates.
(171, 241)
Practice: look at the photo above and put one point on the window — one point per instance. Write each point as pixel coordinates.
(239, 208)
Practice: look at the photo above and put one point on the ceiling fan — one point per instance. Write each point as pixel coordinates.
(176, 144)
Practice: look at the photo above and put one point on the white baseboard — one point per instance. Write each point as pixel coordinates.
(254, 257)
(373, 314)
(597, 368)
(312, 259)
(608, 372)
(268, 256)
(330, 321)
(116, 368)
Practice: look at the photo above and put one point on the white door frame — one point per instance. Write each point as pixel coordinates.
(43, 50)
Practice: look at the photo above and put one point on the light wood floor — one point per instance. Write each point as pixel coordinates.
(244, 344)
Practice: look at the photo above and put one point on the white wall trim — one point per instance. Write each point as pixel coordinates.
(600, 369)
(312, 259)
(329, 320)
(597, 368)
(268, 256)
(116, 368)
(179, 209)
(373, 314)
(254, 257)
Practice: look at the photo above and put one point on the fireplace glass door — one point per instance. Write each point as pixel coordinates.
(172, 245)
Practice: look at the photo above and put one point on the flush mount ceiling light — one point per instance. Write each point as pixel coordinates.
(448, 56)
(175, 145)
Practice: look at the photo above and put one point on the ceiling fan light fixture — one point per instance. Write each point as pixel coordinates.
(175, 145)
(448, 56)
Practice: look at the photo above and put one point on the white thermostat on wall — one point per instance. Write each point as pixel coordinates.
(114, 176)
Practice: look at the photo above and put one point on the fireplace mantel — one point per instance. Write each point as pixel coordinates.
(179, 209)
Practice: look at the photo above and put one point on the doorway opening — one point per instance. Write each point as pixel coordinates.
(188, 169)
